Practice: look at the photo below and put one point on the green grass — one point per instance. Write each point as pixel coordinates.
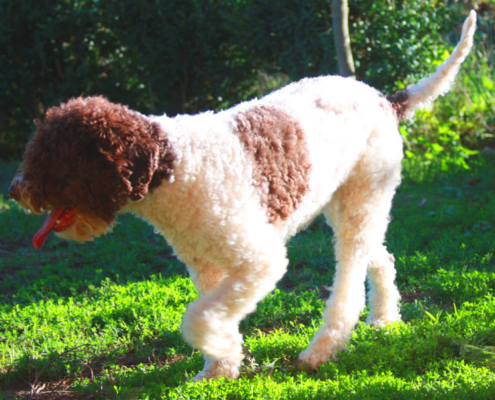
(103, 319)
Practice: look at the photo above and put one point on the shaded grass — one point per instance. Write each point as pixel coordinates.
(103, 319)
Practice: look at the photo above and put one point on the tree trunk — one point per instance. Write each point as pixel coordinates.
(340, 16)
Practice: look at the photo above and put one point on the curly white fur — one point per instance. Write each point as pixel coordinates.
(211, 213)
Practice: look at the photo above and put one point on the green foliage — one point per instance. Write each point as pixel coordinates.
(48, 52)
(188, 56)
(391, 41)
(456, 127)
(156, 56)
(394, 41)
(450, 132)
(293, 37)
(184, 55)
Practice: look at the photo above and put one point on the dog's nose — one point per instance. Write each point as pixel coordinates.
(13, 192)
(14, 188)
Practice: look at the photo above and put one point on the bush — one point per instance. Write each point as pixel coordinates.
(173, 56)
(394, 41)
(181, 56)
(178, 56)
(48, 52)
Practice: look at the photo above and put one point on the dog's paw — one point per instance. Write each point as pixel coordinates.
(228, 368)
(382, 319)
(211, 332)
(309, 359)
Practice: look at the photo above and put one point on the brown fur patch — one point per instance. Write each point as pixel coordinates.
(277, 145)
(399, 102)
(95, 155)
(387, 107)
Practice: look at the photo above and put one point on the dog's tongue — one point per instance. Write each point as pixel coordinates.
(47, 227)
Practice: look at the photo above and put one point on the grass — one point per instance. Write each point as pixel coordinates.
(102, 320)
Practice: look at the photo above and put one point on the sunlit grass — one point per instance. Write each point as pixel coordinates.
(104, 318)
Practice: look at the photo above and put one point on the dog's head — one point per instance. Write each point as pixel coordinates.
(85, 161)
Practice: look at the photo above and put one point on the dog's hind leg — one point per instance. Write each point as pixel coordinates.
(211, 324)
(358, 213)
(383, 295)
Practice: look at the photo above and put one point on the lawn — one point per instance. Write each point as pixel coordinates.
(103, 319)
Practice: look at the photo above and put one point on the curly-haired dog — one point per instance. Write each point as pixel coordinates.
(228, 190)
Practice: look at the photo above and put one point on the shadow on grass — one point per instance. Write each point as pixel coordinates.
(63, 269)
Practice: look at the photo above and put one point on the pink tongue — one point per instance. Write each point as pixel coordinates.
(47, 227)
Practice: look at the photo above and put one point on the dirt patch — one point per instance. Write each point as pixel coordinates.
(60, 389)
(412, 297)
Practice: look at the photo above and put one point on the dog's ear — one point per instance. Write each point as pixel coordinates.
(145, 159)
(131, 148)
(134, 154)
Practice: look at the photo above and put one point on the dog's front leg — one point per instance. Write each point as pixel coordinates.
(205, 276)
(211, 324)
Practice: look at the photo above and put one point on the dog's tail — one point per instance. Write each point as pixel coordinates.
(417, 96)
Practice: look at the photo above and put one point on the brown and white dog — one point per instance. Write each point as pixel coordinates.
(228, 189)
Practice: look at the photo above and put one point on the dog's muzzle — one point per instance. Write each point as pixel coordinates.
(18, 192)
(58, 220)
(14, 190)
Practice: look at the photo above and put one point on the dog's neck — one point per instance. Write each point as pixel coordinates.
(166, 156)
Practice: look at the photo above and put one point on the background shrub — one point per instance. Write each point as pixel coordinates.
(186, 56)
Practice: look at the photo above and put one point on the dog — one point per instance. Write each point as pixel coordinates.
(228, 189)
